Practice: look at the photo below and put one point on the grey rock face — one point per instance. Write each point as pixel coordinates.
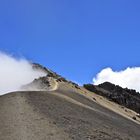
(123, 96)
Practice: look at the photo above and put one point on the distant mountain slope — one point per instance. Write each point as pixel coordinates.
(123, 96)
(50, 74)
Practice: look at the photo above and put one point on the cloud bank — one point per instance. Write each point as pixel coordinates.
(15, 72)
(129, 77)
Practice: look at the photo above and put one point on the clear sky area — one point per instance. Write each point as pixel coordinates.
(75, 38)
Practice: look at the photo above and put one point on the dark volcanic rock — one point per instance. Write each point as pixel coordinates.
(122, 96)
(52, 74)
(49, 72)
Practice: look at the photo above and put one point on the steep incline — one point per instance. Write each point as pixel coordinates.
(60, 115)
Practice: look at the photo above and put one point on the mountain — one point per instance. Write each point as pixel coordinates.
(122, 96)
(54, 108)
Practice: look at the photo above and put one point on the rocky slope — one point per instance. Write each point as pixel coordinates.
(50, 74)
(122, 96)
(63, 114)
(53, 108)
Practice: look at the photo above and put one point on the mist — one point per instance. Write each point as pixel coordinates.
(15, 73)
(129, 77)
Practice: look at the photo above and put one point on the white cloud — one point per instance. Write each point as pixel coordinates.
(129, 77)
(15, 72)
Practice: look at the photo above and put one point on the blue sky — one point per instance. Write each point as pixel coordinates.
(75, 38)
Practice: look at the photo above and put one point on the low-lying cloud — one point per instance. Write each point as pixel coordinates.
(129, 77)
(15, 73)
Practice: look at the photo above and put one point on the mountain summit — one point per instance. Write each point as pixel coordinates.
(53, 108)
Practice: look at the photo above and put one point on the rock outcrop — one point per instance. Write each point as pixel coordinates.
(123, 96)
(48, 82)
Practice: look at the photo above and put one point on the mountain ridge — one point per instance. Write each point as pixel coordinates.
(54, 108)
(123, 96)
